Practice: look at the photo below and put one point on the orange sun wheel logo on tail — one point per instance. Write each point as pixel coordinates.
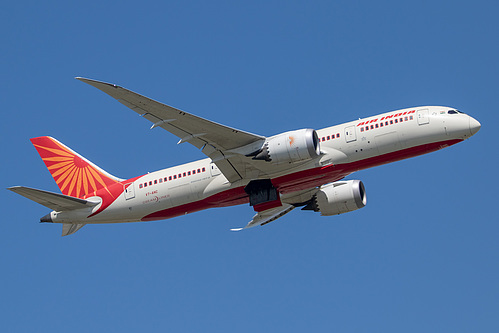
(75, 175)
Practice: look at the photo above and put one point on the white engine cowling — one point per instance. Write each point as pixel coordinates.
(340, 197)
(290, 147)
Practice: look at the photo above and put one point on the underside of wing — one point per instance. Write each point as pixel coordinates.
(267, 216)
(216, 140)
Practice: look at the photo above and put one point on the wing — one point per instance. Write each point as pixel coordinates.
(267, 216)
(217, 141)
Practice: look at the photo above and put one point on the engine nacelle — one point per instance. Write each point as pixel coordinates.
(339, 197)
(290, 147)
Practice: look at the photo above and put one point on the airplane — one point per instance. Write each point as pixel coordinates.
(301, 168)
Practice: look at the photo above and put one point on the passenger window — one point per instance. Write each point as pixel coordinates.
(396, 121)
(188, 173)
(170, 178)
(362, 129)
(150, 183)
(204, 169)
(328, 137)
(380, 124)
(161, 180)
(372, 126)
(155, 181)
(179, 175)
(337, 135)
(140, 185)
(376, 125)
(174, 176)
(391, 122)
(184, 174)
(406, 119)
(145, 184)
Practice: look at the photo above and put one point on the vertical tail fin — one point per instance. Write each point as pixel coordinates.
(75, 175)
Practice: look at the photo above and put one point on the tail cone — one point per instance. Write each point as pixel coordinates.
(46, 219)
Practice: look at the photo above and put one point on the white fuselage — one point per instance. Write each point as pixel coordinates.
(345, 148)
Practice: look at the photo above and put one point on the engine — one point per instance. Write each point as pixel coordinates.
(290, 147)
(338, 198)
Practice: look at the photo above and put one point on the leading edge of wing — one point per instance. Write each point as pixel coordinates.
(188, 127)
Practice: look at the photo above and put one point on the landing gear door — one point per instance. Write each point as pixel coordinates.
(423, 116)
(129, 191)
(350, 134)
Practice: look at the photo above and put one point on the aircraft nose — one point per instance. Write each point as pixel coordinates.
(474, 126)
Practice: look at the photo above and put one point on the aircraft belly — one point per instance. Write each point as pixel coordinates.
(230, 197)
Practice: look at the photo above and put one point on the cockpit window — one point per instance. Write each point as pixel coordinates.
(455, 112)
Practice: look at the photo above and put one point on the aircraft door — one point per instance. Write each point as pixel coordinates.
(350, 134)
(423, 116)
(215, 171)
(129, 191)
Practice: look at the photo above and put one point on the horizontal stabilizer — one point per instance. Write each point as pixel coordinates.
(267, 216)
(54, 201)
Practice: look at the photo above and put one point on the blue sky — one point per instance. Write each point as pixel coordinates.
(423, 254)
